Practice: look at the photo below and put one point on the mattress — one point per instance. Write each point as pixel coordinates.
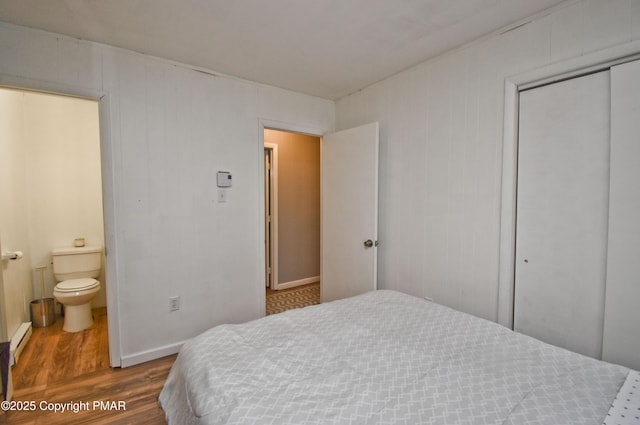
(383, 358)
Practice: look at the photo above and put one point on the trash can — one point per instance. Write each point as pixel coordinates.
(43, 312)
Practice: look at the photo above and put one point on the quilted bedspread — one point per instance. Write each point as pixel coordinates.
(383, 358)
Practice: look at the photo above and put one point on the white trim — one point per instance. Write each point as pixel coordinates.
(110, 227)
(291, 127)
(108, 196)
(581, 65)
(574, 67)
(153, 354)
(506, 260)
(299, 282)
(274, 214)
(19, 341)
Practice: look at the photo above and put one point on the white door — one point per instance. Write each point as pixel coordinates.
(562, 209)
(349, 192)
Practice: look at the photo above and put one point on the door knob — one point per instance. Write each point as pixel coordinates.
(368, 243)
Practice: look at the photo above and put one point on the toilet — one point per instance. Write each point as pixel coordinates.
(75, 270)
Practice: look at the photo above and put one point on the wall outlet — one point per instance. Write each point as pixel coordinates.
(174, 303)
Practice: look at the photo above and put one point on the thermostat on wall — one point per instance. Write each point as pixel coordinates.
(224, 179)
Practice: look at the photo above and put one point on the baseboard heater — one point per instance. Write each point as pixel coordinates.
(19, 341)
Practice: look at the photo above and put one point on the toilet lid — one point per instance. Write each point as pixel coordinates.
(73, 285)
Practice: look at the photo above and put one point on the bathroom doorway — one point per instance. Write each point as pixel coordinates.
(51, 186)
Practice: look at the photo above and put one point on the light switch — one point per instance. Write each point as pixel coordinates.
(222, 195)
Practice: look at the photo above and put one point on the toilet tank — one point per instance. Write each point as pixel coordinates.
(76, 263)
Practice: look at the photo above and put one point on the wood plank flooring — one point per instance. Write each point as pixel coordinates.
(61, 355)
(61, 367)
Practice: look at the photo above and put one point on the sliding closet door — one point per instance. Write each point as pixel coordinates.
(621, 342)
(562, 207)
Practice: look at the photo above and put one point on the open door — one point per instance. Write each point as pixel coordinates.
(349, 198)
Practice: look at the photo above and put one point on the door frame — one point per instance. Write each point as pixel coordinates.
(274, 214)
(556, 72)
(263, 124)
(108, 196)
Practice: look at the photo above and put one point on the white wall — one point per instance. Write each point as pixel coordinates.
(170, 129)
(441, 150)
(15, 276)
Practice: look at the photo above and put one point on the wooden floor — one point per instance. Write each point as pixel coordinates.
(61, 367)
(62, 355)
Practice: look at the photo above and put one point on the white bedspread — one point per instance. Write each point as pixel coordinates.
(625, 409)
(383, 358)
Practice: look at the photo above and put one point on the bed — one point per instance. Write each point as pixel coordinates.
(385, 357)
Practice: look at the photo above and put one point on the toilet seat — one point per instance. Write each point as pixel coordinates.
(75, 285)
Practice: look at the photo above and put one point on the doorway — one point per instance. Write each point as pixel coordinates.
(348, 237)
(51, 180)
(292, 209)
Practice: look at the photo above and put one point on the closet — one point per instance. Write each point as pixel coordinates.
(621, 342)
(578, 198)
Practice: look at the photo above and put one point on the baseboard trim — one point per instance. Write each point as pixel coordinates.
(19, 341)
(294, 283)
(145, 356)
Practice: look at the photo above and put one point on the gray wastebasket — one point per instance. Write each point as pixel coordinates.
(43, 312)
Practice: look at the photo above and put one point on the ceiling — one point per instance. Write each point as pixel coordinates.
(327, 48)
